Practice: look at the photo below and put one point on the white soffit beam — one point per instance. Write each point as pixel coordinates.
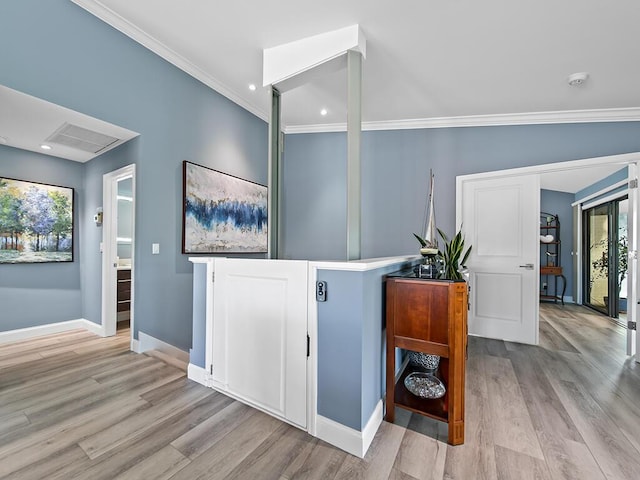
(291, 59)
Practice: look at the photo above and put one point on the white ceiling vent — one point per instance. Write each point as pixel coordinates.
(81, 138)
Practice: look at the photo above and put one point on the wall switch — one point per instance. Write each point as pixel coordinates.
(155, 248)
(321, 291)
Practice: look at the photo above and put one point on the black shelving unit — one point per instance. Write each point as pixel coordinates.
(551, 260)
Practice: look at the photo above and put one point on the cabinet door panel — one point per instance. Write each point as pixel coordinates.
(260, 334)
(422, 312)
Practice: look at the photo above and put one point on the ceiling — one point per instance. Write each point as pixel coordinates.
(428, 62)
(572, 181)
(28, 122)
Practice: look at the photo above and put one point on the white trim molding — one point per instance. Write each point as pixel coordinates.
(110, 17)
(107, 15)
(147, 342)
(49, 329)
(363, 265)
(530, 118)
(198, 374)
(348, 439)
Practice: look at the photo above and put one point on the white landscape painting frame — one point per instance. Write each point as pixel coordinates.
(222, 213)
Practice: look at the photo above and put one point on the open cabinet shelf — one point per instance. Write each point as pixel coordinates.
(428, 316)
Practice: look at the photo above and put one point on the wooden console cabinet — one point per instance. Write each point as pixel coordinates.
(429, 316)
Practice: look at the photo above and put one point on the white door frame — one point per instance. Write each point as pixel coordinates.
(626, 159)
(110, 249)
(586, 203)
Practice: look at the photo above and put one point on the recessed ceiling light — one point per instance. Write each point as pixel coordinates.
(577, 79)
(252, 87)
(323, 112)
(3, 140)
(44, 146)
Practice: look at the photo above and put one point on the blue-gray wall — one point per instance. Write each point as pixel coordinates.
(91, 235)
(314, 199)
(62, 54)
(351, 344)
(41, 293)
(395, 177)
(559, 203)
(602, 184)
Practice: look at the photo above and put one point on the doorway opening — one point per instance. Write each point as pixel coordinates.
(487, 239)
(606, 258)
(124, 247)
(118, 238)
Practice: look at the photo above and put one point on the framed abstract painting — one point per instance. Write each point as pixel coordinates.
(36, 222)
(222, 213)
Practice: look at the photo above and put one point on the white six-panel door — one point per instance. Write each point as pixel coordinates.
(500, 218)
(260, 334)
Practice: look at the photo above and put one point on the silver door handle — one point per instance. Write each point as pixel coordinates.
(528, 266)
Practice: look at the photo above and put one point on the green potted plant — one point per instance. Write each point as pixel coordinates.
(601, 266)
(451, 254)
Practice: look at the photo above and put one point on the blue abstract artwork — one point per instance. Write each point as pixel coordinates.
(222, 213)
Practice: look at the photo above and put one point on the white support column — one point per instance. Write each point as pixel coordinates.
(354, 130)
(291, 65)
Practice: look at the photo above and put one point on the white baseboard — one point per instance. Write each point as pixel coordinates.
(147, 342)
(197, 374)
(135, 346)
(350, 440)
(59, 327)
(371, 428)
(94, 328)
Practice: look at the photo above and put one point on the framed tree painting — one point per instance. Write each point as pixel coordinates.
(222, 213)
(36, 222)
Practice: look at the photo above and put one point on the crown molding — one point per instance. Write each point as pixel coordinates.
(532, 118)
(99, 10)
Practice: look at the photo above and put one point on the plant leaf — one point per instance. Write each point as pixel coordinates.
(443, 235)
(466, 257)
(422, 241)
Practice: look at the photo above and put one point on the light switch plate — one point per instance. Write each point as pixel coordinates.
(155, 248)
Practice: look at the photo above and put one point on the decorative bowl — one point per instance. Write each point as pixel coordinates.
(424, 385)
(424, 360)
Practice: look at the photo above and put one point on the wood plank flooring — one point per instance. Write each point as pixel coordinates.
(75, 406)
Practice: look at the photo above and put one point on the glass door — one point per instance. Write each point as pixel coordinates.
(606, 257)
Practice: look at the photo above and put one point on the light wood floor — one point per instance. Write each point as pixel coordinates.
(76, 406)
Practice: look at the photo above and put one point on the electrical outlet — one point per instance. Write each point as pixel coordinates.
(544, 286)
